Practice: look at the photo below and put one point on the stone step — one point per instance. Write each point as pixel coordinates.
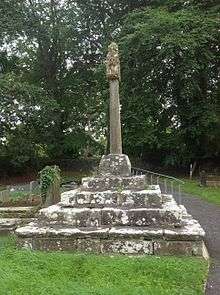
(10, 224)
(124, 199)
(114, 183)
(86, 217)
(190, 231)
(120, 240)
(17, 212)
(114, 246)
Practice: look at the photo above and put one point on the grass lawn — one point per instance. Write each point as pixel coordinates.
(36, 273)
(210, 194)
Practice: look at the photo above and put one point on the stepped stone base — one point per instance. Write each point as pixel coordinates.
(12, 217)
(8, 225)
(49, 233)
(132, 247)
(98, 184)
(115, 213)
(123, 240)
(17, 212)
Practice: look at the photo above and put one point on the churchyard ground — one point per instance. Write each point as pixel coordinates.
(210, 194)
(25, 272)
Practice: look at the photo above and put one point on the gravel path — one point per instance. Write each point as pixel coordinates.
(209, 217)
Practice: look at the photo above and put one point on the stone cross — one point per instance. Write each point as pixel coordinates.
(113, 75)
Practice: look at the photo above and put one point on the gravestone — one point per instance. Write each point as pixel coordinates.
(203, 178)
(115, 212)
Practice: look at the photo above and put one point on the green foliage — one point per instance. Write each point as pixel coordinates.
(48, 176)
(170, 84)
(27, 115)
(19, 195)
(201, 4)
(52, 60)
(22, 271)
(54, 93)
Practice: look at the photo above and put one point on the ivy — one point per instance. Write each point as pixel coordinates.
(48, 176)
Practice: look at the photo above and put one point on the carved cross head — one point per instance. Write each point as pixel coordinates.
(113, 62)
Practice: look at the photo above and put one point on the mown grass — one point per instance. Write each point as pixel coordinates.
(210, 194)
(36, 273)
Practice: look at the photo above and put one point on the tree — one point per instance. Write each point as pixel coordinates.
(53, 51)
(170, 74)
(26, 123)
(53, 58)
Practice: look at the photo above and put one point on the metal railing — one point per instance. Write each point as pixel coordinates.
(168, 184)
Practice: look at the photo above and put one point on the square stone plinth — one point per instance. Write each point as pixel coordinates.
(118, 165)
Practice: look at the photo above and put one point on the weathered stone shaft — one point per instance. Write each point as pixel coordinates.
(115, 118)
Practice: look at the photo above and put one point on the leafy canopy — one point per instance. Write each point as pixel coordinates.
(170, 83)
